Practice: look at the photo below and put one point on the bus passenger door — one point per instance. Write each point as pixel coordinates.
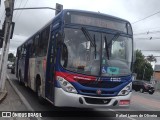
(51, 61)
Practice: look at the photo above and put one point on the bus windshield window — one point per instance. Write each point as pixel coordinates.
(81, 54)
(120, 56)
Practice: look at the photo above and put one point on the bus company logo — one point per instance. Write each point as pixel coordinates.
(105, 101)
(99, 92)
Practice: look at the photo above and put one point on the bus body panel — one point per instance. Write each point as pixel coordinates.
(32, 68)
(21, 68)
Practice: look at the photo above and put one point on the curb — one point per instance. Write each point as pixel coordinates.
(3, 95)
(21, 96)
(28, 106)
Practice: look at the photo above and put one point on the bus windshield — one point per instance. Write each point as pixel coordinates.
(109, 56)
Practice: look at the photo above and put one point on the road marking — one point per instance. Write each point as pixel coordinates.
(22, 98)
(121, 113)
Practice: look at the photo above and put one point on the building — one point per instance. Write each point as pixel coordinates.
(156, 73)
(156, 77)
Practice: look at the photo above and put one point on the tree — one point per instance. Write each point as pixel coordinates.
(151, 58)
(11, 57)
(148, 71)
(142, 67)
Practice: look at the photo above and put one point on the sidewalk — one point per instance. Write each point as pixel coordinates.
(12, 102)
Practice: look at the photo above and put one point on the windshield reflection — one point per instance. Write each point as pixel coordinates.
(82, 57)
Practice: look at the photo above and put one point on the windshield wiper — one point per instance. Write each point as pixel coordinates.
(89, 38)
(106, 47)
(115, 37)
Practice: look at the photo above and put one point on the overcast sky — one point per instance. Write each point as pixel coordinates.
(29, 21)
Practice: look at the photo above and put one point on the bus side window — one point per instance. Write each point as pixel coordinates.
(22, 50)
(36, 42)
(43, 43)
(34, 48)
(25, 49)
(31, 49)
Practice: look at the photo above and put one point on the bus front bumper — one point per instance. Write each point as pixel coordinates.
(65, 99)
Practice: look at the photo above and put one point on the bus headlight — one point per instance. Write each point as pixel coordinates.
(66, 86)
(126, 90)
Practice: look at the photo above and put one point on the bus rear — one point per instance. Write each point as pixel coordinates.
(94, 61)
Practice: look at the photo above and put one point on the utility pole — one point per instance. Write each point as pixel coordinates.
(9, 5)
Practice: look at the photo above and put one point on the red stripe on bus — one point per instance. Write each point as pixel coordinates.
(75, 77)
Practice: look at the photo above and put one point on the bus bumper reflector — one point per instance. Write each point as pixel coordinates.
(124, 102)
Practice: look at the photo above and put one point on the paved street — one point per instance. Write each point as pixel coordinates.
(140, 102)
(12, 102)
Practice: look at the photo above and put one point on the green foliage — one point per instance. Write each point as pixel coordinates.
(151, 58)
(11, 57)
(142, 66)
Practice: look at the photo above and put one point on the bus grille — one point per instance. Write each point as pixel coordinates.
(96, 100)
(101, 84)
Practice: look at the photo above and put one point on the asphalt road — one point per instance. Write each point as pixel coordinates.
(139, 102)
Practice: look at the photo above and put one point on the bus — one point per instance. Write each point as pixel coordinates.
(79, 59)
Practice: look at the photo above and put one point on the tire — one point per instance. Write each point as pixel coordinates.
(141, 90)
(38, 91)
(151, 93)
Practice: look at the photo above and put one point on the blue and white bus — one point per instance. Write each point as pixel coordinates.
(79, 59)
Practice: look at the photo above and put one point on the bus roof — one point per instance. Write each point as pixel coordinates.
(74, 10)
